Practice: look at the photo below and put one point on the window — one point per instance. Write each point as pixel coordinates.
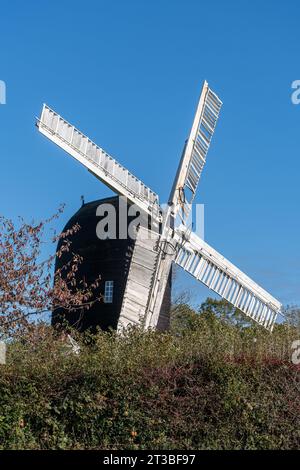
(108, 292)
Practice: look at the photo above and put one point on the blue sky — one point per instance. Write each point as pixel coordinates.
(128, 74)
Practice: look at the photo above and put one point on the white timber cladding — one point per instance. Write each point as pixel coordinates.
(216, 272)
(165, 257)
(97, 161)
(140, 279)
(195, 152)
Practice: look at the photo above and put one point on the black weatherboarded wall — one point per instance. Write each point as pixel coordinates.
(109, 258)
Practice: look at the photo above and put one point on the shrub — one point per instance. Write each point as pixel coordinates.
(211, 385)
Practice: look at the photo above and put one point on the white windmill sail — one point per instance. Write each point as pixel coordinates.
(194, 155)
(208, 266)
(183, 191)
(97, 161)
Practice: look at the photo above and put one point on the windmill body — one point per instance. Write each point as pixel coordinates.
(169, 239)
(112, 258)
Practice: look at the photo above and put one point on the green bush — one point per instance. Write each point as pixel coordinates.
(207, 384)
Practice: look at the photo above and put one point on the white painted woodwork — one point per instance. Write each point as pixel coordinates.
(187, 178)
(161, 276)
(140, 279)
(97, 161)
(216, 272)
(194, 155)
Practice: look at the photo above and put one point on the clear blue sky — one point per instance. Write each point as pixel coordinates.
(128, 73)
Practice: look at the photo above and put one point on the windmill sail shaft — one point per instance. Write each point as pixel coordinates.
(97, 161)
(212, 269)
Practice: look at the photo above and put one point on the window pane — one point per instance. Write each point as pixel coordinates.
(108, 292)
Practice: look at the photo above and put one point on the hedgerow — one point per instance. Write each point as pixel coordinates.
(206, 384)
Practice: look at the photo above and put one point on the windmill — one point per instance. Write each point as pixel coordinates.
(173, 242)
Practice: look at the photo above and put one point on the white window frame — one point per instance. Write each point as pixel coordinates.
(108, 292)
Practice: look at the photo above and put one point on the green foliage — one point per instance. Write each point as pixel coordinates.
(207, 384)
